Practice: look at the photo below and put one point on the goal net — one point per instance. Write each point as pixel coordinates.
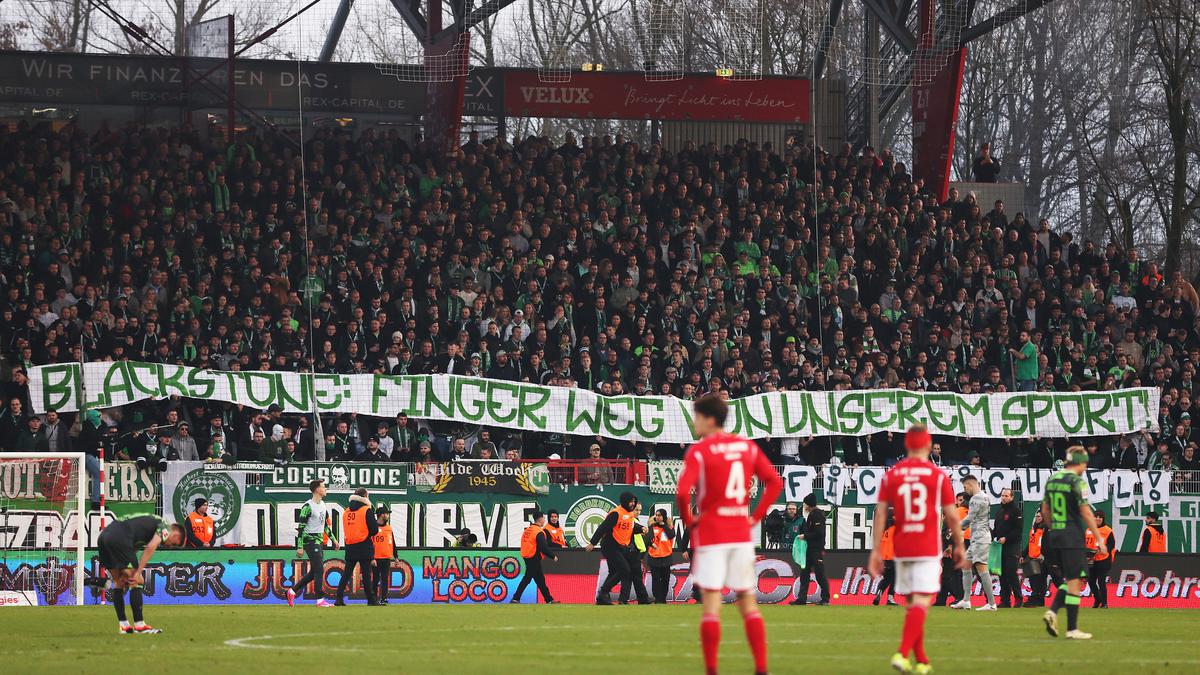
(42, 512)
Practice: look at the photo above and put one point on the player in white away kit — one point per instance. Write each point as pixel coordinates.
(918, 492)
(719, 466)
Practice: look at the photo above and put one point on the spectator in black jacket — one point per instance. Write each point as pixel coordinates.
(1007, 530)
(11, 424)
(814, 561)
(615, 536)
(986, 167)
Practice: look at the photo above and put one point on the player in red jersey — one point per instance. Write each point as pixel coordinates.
(719, 466)
(918, 491)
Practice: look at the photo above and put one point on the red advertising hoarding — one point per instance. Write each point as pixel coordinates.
(631, 96)
(1135, 580)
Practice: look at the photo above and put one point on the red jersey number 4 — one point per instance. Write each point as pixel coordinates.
(917, 489)
(721, 467)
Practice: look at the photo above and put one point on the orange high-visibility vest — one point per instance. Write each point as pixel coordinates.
(1158, 541)
(962, 515)
(354, 525)
(622, 532)
(529, 542)
(886, 547)
(660, 546)
(556, 535)
(1035, 542)
(1104, 532)
(384, 545)
(202, 527)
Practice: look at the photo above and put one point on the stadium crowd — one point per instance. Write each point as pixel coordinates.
(601, 264)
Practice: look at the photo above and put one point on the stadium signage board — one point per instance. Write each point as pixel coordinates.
(860, 485)
(612, 95)
(339, 477)
(125, 482)
(245, 467)
(484, 93)
(662, 476)
(97, 79)
(659, 419)
(225, 493)
(515, 478)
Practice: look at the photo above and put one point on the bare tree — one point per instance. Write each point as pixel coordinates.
(58, 25)
(12, 34)
(1175, 29)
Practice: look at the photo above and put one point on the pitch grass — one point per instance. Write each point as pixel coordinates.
(577, 640)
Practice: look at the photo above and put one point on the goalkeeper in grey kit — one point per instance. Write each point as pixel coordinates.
(118, 548)
(312, 531)
(979, 520)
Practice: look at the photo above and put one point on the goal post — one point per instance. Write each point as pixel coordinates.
(43, 528)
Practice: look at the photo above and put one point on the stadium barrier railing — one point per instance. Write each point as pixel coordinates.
(635, 472)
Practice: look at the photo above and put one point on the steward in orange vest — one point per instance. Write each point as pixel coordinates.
(359, 526)
(1036, 569)
(1035, 543)
(385, 551)
(200, 530)
(1154, 540)
(887, 547)
(614, 536)
(1101, 564)
(558, 537)
(660, 548)
(535, 545)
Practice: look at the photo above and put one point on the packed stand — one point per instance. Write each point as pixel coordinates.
(605, 264)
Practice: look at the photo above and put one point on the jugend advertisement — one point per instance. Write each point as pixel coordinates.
(474, 576)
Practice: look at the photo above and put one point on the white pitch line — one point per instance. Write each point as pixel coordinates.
(249, 641)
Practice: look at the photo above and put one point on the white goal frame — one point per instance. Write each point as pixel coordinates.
(81, 500)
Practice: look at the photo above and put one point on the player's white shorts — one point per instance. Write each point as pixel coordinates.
(918, 576)
(725, 566)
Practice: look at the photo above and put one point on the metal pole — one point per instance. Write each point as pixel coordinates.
(83, 513)
(335, 31)
(81, 533)
(231, 95)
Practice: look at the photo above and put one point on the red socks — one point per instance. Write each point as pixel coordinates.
(756, 635)
(919, 648)
(710, 640)
(914, 632)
